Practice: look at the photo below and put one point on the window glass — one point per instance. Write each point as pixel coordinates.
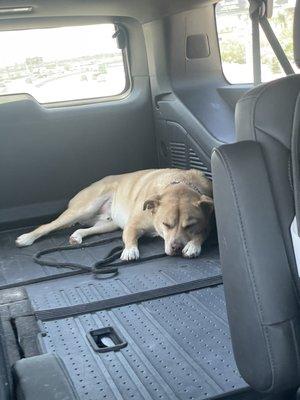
(235, 39)
(61, 64)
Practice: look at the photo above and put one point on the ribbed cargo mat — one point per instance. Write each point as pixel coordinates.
(178, 347)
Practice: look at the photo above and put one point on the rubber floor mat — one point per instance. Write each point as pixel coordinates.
(178, 347)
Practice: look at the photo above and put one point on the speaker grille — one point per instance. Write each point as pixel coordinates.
(178, 155)
(185, 158)
(195, 162)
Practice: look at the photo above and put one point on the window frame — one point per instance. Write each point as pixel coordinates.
(76, 23)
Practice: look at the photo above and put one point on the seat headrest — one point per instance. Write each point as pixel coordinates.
(297, 34)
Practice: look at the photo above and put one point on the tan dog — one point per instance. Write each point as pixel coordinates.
(174, 204)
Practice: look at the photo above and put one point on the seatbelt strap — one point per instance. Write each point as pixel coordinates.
(133, 298)
(254, 11)
(278, 50)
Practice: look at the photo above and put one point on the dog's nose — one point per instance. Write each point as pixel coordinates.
(176, 247)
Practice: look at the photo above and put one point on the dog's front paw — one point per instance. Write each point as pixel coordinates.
(130, 253)
(75, 238)
(191, 250)
(25, 240)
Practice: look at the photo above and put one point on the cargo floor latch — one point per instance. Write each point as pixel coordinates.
(105, 339)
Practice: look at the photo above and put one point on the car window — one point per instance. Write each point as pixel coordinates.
(62, 64)
(235, 39)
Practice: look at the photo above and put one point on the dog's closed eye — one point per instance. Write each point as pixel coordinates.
(167, 225)
(190, 224)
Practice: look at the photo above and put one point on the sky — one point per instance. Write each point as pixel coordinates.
(56, 43)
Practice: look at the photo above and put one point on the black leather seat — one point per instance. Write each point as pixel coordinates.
(254, 201)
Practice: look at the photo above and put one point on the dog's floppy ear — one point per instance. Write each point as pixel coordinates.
(206, 203)
(151, 204)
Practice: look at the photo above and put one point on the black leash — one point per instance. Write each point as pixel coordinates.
(102, 269)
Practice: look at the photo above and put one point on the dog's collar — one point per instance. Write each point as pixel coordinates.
(190, 184)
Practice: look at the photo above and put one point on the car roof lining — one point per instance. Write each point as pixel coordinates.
(142, 10)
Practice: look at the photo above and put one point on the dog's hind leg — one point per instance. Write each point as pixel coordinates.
(84, 206)
(67, 218)
(99, 227)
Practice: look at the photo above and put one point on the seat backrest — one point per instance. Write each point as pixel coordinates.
(254, 201)
(265, 115)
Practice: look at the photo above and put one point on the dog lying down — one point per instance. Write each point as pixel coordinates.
(174, 204)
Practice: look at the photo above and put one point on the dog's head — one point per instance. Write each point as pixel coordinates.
(180, 214)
